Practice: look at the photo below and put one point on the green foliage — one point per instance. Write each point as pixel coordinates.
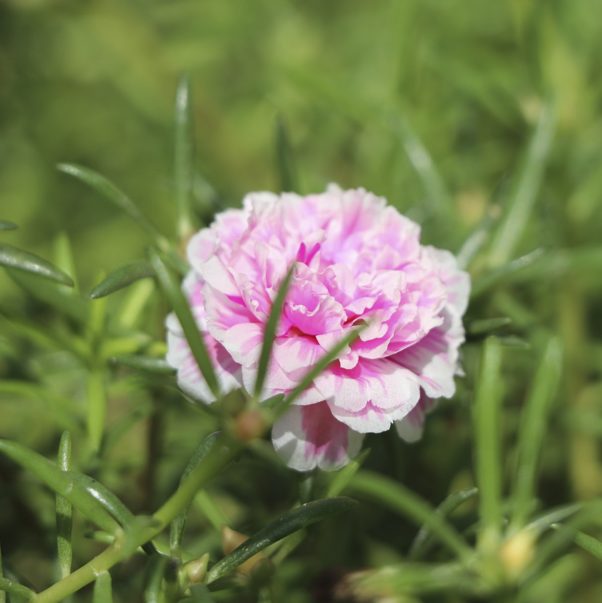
(480, 120)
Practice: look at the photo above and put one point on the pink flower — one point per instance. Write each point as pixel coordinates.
(357, 260)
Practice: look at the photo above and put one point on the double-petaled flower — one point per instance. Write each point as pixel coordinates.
(357, 262)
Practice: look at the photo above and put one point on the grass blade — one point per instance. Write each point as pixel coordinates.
(64, 512)
(270, 331)
(520, 207)
(184, 159)
(488, 454)
(12, 257)
(423, 539)
(437, 197)
(401, 500)
(105, 188)
(180, 306)
(504, 273)
(103, 590)
(532, 430)
(285, 165)
(122, 277)
(178, 524)
(60, 482)
(14, 588)
(286, 524)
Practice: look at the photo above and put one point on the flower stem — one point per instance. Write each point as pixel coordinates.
(222, 452)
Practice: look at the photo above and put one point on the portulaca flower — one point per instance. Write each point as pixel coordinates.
(358, 261)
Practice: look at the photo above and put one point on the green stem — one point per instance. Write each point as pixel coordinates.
(222, 452)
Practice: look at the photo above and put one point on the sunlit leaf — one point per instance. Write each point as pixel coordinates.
(533, 429)
(12, 257)
(106, 189)
(488, 452)
(122, 277)
(184, 158)
(520, 206)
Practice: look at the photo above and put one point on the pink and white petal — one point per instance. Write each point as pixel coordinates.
(189, 377)
(370, 418)
(243, 342)
(295, 355)
(384, 383)
(434, 358)
(456, 281)
(411, 427)
(278, 382)
(307, 437)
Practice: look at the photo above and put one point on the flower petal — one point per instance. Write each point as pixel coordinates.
(411, 427)
(307, 437)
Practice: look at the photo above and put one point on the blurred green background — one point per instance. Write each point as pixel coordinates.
(431, 103)
(93, 82)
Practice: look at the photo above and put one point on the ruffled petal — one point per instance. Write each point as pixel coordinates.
(307, 437)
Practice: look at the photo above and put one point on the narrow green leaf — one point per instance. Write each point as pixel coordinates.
(424, 538)
(64, 512)
(286, 524)
(549, 518)
(178, 524)
(16, 589)
(532, 430)
(144, 363)
(269, 333)
(285, 164)
(6, 225)
(105, 188)
(519, 209)
(63, 258)
(180, 305)
(475, 242)
(103, 590)
(590, 544)
(11, 257)
(488, 453)
(60, 482)
(437, 196)
(398, 498)
(504, 273)
(184, 159)
(316, 369)
(122, 277)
